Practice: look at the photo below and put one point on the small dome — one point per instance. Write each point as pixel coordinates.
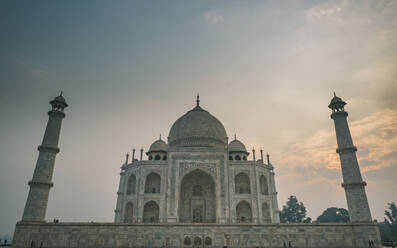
(336, 99)
(158, 146)
(59, 101)
(197, 128)
(60, 98)
(237, 146)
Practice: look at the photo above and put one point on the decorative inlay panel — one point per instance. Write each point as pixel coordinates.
(186, 167)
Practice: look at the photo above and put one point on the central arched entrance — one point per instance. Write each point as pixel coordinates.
(197, 201)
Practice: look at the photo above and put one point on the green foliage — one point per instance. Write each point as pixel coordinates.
(333, 214)
(294, 212)
(384, 230)
(388, 228)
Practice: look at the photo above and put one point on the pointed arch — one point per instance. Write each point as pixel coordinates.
(129, 213)
(197, 201)
(244, 212)
(264, 186)
(152, 183)
(197, 241)
(266, 217)
(151, 212)
(242, 183)
(131, 185)
(187, 241)
(208, 241)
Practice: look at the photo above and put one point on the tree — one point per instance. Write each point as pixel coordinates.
(294, 212)
(388, 228)
(391, 220)
(334, 215)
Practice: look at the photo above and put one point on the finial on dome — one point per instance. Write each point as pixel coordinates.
(198, 100)
(334, 94)
(61, 93)
(268, 158)
(160, 137)
(235, 137)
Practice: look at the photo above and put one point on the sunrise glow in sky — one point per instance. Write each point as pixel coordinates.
(128, 69)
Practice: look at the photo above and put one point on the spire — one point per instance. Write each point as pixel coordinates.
(253, 153)
(268, 158)
(262, 155)
(126, 158)
(198, 100)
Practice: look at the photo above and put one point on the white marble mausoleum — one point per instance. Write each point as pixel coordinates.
(198, 177)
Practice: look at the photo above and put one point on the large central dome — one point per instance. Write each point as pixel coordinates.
(197, 128)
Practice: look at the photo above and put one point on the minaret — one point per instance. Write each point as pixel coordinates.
(353, 183)
(36, 204)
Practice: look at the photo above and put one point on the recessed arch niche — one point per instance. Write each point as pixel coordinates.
(197, 201)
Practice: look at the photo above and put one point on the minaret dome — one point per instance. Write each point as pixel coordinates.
(337, 104)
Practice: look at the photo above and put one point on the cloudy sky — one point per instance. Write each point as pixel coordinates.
(266, 69)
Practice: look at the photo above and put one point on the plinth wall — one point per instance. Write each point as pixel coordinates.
(62, 235)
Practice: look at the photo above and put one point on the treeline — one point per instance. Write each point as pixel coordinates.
(295, 212)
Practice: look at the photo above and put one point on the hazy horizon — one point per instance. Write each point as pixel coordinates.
(128, 69)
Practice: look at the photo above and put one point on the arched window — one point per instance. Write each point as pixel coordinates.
(187, 241)
(151, 212)
(157, 157)
(242, 184)
(266, 213)
(237, 157)
(150, 157)
(152, 184)
(207, 241)
(197, 241)
(131, 185)
(245, 158)
(165, 158)
(243, 212)
(230, 158)
(129, 213)
(197, 190)
(263, 184)
(197, 215)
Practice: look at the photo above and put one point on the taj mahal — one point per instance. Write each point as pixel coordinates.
(197, 178)
(196, 189)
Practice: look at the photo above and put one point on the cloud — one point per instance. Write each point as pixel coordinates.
(323, 11)
(213, 17)
(376, 139)
(14, 65)
(311, 168)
